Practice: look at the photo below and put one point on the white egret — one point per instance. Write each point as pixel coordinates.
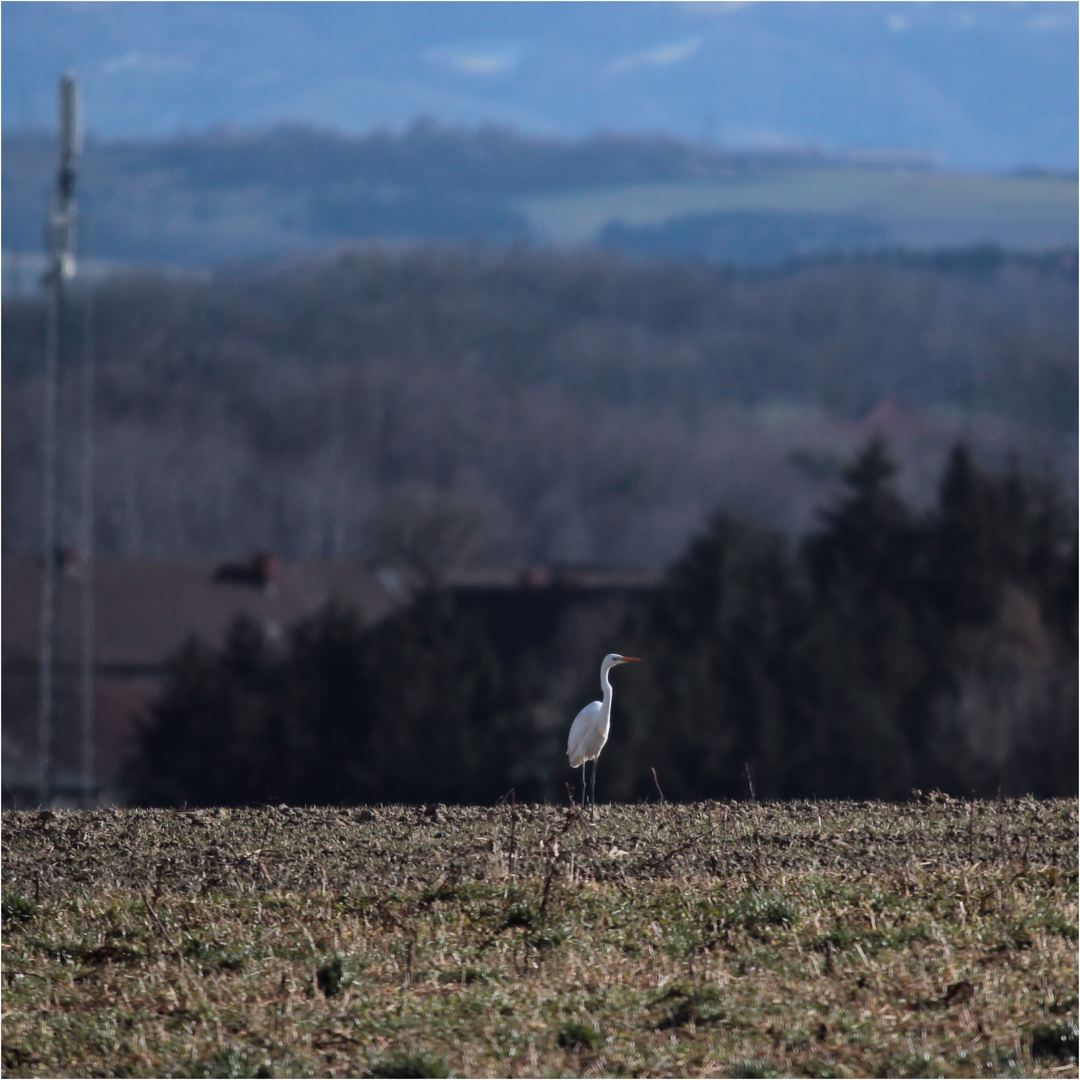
(589, 731)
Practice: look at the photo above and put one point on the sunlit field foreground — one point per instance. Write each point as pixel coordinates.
(803, 939)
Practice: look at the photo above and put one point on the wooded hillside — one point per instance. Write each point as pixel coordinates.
(548, 406)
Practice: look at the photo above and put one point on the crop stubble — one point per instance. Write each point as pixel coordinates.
(816, 939)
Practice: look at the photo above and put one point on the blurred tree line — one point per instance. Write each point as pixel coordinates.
(888, 650)
(574, 406)
(416, 709)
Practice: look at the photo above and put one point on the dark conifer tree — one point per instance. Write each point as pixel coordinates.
(1040, 538)
(968, 550)
(330, 715)
(867, 536)
(445, 717)
(417, 708)
(710, 698)
(865, 663)
(1003, 578)
(214, 737)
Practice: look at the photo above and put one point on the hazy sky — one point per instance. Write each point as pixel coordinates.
(977, 85)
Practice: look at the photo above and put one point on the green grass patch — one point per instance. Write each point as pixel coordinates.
(407, 1066)
(17, 910)
(579, 1035)
(924, 205)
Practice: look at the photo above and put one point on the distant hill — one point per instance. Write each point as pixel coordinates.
(811, 208)
(230, 196)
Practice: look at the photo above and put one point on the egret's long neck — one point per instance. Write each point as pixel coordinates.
(605, 685)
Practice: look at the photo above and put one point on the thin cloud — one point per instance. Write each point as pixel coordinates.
(478, 59)
(662, 56)
(1047, 20)
(147, 63)
(714, 7)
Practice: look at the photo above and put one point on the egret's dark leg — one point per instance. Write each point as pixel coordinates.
(595, 762)
(584, 769)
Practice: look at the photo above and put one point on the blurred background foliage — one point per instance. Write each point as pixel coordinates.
(889, 649)
(557, 406)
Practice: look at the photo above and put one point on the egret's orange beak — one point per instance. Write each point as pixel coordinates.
(631, 659)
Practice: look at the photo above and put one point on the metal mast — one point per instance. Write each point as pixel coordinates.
(61, 233)
(86, 621)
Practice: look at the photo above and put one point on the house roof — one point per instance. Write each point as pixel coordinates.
(145, 609)
(585, 578)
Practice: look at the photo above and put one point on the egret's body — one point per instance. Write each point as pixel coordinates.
(589, 731)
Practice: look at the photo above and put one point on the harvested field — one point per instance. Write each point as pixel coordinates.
(740, 939)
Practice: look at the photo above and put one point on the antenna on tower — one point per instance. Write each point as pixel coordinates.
(63, 218)
(70, 121)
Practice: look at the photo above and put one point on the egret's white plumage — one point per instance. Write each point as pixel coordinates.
(589, 731)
